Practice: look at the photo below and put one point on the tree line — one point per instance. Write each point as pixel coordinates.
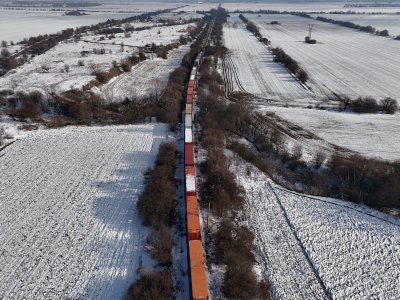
(228, 244)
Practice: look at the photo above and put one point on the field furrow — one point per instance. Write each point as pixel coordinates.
(70, 228)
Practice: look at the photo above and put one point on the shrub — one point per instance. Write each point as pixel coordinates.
(5, 52)
(384, 33)
(81, 63)
(160, 245)
(28, 111)
(388, 105)
(239, 281)
(365, 105)
(303, 76)
(152, 285)
(397, 38)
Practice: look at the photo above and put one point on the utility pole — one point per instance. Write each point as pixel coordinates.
(310, 27)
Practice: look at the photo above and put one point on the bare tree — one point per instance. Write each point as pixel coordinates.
(389, 105)
(319, 158)
(5, 52)
(297, 152)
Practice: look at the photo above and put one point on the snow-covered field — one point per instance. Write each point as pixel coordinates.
(249, 68)
(147, 78)
(344, 62)
(17, 25)
(69, 224)
(160, 35)
(309, 247)
(46, 73)
(307, 6)
(372, 135)
(380, 22)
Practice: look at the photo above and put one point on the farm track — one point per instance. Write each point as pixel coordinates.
(289, 267)
(319, 248)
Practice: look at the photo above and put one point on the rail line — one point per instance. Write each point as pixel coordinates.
(197, 269)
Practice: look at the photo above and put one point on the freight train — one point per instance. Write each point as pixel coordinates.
(197, 273)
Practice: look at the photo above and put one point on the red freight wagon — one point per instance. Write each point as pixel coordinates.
(189, 160)
(198, 279)
(189, 99)
(193, 222)
(191, 84)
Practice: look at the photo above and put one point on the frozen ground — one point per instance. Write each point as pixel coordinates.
(309, 247)
(380, 22)
(69, 224)
(160, 35)
(249, 68)
(372, 135)
(46, 73)
(308, 6)
(147, 78)
(17, 25)
(344, 62)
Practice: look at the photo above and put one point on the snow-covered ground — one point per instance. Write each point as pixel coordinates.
(249, 67)
(15, 25)
(380, 22)
(160, 35)
(46, 73)
(372, 135)
(308, 6)
(309, 247)
(147, 78)
(344, 62)
(69, 224)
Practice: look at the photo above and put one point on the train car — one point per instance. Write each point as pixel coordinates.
(193, 77)
(198, 277)
(188, 121)
(190, 182)
(189, 97)
(188, 136)
(191, 84)
(193, 221)
(188, 109)
(194, 72)
(189, 160)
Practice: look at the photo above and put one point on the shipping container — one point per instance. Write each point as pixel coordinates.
(192, 77)
(190, 181)
(193, 221)
(190, 185)
(188, 135)
(191, 84)
(188, 121)
(196, 63)
(198, 279)
(188, 109)
(189, 161)
(189, 98)
(194, 72)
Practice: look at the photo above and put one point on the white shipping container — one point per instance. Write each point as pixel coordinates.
(190, 183)
(188, 135)
(188, 121)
